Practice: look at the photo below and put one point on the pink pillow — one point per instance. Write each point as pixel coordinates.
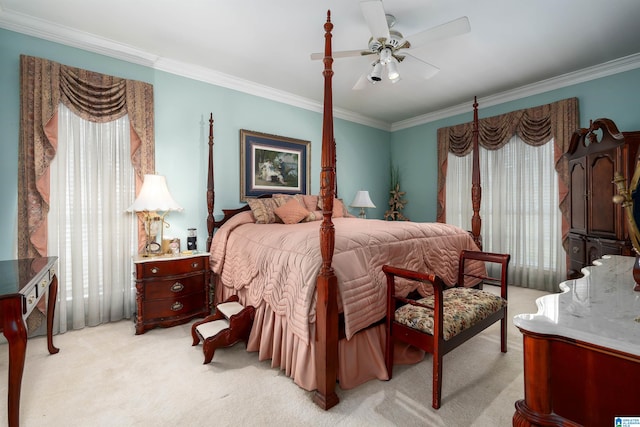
(310, 202)
(291, 212)
(338, 208)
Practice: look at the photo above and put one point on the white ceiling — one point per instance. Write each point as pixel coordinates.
(264, 46)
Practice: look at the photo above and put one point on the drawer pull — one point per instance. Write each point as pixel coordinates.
(195, 264)
(155, 270)
(576, 249)
(177, 306)
(30, 299)
(177, 287)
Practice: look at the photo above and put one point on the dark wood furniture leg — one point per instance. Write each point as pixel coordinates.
(327, 284)
(51, 305)
(16, 334)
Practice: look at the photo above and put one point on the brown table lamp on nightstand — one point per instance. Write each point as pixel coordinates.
(152, 204)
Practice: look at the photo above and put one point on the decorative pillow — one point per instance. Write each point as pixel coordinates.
(281, 199)
(291, 212)
(338, 207)
(263, 210)
(314, 216)
(310, 202)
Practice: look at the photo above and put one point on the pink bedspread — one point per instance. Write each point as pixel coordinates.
(279, 264)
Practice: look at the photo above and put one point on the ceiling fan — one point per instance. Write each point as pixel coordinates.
(391, 47)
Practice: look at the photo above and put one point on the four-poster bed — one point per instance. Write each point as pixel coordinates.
(318, 286)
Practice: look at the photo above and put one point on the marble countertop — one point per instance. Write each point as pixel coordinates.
(600, 308)
(182, 255)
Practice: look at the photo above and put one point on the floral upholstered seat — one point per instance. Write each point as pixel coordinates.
(463, 308)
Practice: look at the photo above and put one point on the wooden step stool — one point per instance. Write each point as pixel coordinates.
(230, 324)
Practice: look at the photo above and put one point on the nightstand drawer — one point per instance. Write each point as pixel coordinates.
(173, 288)
(174, 307)
(173, 267)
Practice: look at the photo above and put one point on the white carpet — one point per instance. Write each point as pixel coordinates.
(107, 376)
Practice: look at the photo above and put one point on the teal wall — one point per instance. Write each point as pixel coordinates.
(182, 108)
(414, 149)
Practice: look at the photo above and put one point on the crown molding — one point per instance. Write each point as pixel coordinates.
(47, 30)
(70, 37)
(42, 29)
(609, 68)
(228, 81)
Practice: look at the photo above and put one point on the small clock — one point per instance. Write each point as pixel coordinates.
(154, 247)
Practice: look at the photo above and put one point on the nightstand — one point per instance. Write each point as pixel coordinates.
(171, 290)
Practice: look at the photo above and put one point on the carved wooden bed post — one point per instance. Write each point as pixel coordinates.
(476, 189)
(327, 283)
(210, 189)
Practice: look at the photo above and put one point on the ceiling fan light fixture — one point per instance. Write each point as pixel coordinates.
(376, 73)
(385, 56)
(392, 70)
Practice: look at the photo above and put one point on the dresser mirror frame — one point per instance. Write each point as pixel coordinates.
(630, 200)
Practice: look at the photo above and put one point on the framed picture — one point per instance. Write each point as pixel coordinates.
(271, 164)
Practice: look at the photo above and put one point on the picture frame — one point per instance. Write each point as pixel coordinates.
(271, 164)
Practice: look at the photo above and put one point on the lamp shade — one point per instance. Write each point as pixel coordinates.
(392, 68)
(362, 200)
(376, 73)
(154, 196)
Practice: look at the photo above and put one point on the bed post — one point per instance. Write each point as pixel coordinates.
(327, 304)
(210, 191)
(476, 189)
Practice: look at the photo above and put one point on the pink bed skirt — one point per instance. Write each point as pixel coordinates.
(360, 359)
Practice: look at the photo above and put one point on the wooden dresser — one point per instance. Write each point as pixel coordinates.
(582, 350)
(597, 225)
(171, 290)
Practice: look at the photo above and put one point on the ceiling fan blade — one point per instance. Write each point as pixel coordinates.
(342, 54)
(374, 15)
(362, 83)
(449, 29)
(414, 66)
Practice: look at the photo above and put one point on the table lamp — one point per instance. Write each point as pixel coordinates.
(362, 201)
(153, 204)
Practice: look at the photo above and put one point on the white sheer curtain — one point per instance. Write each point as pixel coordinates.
(519, 209)
(92, 184)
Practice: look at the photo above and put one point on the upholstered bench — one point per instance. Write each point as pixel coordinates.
(230, 324)
(441, 322)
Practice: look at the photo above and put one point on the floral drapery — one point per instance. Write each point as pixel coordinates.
(93, 96)
(535, 126)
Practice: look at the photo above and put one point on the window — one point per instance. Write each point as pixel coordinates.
(519, 209)
(92, 184)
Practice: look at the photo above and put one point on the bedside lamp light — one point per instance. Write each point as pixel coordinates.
(153, 203)
(362, 201)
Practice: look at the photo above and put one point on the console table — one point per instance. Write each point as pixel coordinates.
(582, 350)
(23, 282)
